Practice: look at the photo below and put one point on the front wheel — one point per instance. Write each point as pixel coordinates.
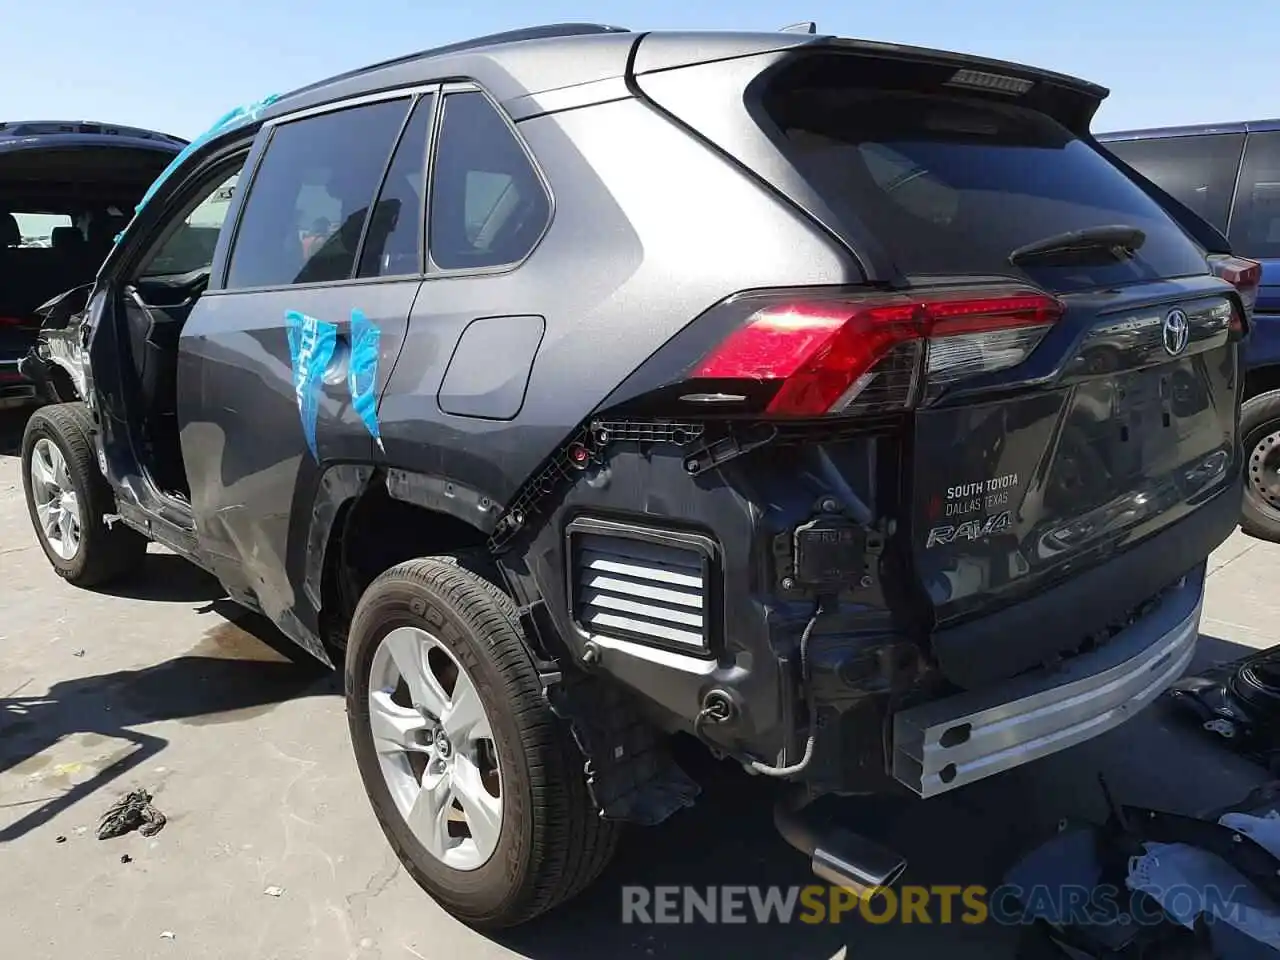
(68, 497)
(1260, 430)
(477, 785)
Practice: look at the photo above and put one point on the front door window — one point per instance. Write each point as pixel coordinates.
(188, 245)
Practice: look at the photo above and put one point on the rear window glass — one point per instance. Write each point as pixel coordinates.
(952, 185)
(1255, 225)
(37, 229)
(1198, 171)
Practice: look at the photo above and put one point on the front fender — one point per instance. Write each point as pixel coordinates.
(64, 349)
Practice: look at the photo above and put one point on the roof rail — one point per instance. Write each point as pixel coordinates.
(544, 32)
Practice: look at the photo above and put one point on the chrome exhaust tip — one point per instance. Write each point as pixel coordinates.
(859, 865)
(840, 857)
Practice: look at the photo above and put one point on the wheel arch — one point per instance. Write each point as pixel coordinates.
(1261, 379)
(65, 380)
(366, 520)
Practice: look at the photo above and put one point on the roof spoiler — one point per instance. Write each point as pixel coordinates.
(1069, 100)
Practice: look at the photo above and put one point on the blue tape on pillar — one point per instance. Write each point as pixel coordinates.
(311, 346)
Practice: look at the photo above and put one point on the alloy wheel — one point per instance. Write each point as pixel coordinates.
(435, 748)
(56, 502)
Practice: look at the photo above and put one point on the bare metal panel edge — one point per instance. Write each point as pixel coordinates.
(1032, 717)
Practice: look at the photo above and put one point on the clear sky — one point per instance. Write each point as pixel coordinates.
(177, 65)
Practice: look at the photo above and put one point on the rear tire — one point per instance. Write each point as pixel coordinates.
(1260, 435)
(549, 842)
(67, 498)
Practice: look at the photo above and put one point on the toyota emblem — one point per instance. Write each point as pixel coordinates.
(1176, 332)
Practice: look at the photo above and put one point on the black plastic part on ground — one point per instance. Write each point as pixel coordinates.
(1238, 702)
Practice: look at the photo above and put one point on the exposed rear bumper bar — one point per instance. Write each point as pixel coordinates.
(948, 743)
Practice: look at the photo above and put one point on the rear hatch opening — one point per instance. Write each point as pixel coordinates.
(63, 200)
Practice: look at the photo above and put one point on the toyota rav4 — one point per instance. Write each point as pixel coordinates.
(839, 404)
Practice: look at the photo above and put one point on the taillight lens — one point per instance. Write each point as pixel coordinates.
(10, 321)
(1246, 276)
(871, 353)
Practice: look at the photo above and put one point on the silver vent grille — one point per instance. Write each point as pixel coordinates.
(639, 590)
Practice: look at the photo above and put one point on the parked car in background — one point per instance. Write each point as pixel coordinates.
(1230, 175)
(67, 188)
(838, 404)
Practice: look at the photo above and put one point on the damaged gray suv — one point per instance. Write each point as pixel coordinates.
(839, 405)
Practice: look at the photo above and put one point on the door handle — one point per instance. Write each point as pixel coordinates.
(335, 372)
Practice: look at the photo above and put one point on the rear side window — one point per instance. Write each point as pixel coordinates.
(1255, 224)
(391, 245)
(951, 185)
(488, 205)
(1198, 171)
(311, 195)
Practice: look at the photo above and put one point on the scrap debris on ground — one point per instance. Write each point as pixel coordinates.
(1240, 702)
(133, 811)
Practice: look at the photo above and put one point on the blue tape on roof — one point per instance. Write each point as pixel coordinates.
(362, 373)
(311, 346)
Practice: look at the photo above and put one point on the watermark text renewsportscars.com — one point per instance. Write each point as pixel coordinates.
(939, 904)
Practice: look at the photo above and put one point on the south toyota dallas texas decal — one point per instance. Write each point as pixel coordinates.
(970, 506)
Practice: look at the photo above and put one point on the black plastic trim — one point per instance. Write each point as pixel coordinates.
(711, 578)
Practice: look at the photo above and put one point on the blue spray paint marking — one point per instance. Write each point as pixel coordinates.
(311, 346)
(362, 373)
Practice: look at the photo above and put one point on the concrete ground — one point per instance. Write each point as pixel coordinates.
(161, 684)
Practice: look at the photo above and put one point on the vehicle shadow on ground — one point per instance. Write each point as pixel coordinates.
(168, 578)
(240, 668)
(728, 840)
(970, 837)
(12, 423)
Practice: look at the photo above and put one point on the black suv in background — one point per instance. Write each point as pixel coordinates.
(839, 404)
(1230, 175)
(67, 188)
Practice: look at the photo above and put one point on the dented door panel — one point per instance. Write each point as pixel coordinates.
(245, 417)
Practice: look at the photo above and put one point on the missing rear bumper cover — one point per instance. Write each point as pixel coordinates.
(948, 743)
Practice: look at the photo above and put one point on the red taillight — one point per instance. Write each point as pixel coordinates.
(10, 321)
(1246, 277)
(859, 353)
